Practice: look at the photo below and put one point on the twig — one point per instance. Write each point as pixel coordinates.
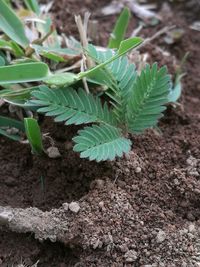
(86, 61)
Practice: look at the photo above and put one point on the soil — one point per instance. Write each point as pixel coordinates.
(142, 210)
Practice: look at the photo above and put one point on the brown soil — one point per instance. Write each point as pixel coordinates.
(140, 210)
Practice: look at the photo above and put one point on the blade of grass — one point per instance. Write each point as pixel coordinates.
(120, 28)
(11, 25)
(32, 5)
(34, 135)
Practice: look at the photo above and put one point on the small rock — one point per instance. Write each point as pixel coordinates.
(138, 170)
(98, 183)
(190, 217)
(74, 207)
(191, 228)
(53, 152)
(176, 182)
(124, 248)
(12, 130)
(161, 236)
(97, 244)
(101, 205)
(65, 206)
(131, 256)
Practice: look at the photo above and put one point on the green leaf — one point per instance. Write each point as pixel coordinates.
(120, 29)
(11, 25)
(57, 54)
(2, 61)
(21, 73)
(71, 107)
(101, 143)
(149, 95)
(33, 5)
(61, 79)
(119, 76)
(129, 44)
(12, 47)
(34, 135)
(6, 124)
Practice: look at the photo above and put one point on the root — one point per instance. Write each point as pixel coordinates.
(53, 225)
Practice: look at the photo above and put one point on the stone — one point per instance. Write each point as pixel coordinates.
(74, 207)
(191, 228)
(161, 236)
(131, 256)
(65, 206)
(53, 152)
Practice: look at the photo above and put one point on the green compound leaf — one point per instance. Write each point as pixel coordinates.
(11, 25)
(149, 95)
(119, 76)
(33, 133)
(101, 143)
(72, 107)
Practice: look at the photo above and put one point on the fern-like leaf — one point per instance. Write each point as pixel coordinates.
(149, 95)
(71, 106)
(118, 76)
(101, 143)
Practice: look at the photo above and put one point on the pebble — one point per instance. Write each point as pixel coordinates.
(131, 256)
(101, 205)
(65, 206)
(53, 152)
(74, 207)
(161, 236)
(191, 228)
(176, 182)
(138, 170)
(124, 248)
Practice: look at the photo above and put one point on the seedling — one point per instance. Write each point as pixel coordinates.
(118, 34)
(136, 103)
(33, 133)
(130, 102)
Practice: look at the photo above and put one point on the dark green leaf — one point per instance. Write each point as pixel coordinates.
(11, 25)
(34, 135)
(120, 29)
(33, 5)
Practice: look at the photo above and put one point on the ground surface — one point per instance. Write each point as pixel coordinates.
(140, 210)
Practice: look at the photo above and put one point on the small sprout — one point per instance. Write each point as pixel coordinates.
(120, 28)
(34, 135)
